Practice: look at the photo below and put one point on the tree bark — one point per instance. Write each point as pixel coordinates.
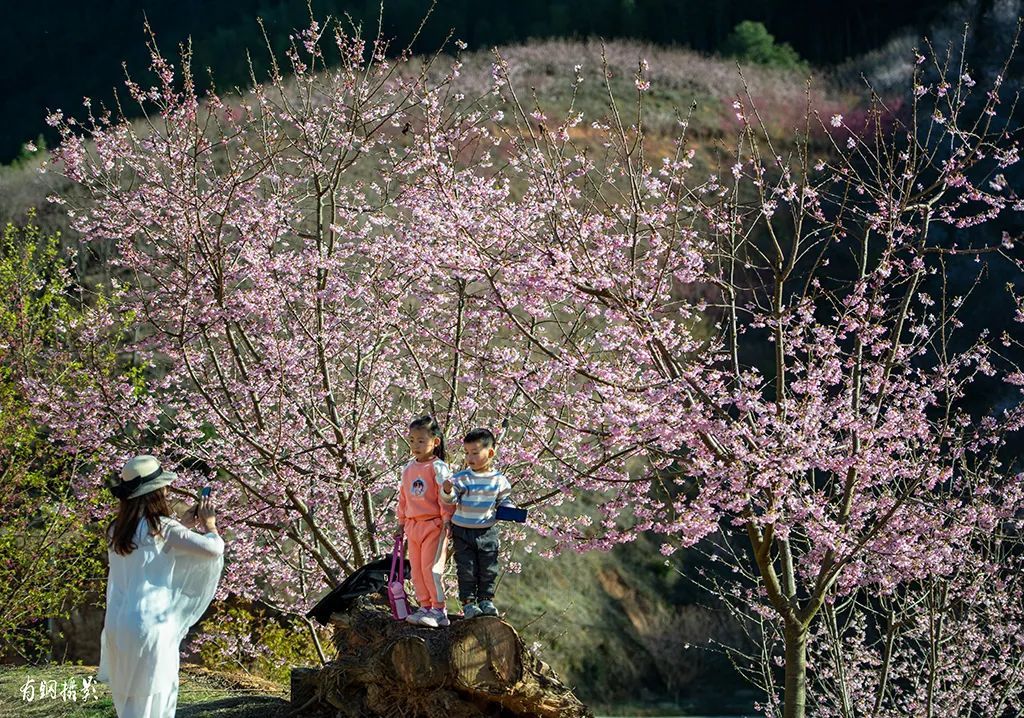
(795, 694)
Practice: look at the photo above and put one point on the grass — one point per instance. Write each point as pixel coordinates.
(202, 694)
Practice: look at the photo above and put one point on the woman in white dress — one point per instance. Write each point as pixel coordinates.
(162, 578)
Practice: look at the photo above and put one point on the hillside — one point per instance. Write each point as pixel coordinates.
(65, 50)
(681, 80)
(627, 629)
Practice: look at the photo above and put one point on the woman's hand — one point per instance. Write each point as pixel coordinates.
(207, 514)
(400, 531)
(189, 519)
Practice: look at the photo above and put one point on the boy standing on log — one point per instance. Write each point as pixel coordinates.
(476, 493)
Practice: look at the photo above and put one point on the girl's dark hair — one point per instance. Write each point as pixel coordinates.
(429, 423)
(151, 506)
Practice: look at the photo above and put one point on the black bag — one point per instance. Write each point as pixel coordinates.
(371, 578)
(511, 513)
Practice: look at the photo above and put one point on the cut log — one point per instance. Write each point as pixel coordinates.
(412, 663)
(485, 655)
(475, 668)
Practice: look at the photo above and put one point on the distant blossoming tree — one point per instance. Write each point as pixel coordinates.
(773, 348)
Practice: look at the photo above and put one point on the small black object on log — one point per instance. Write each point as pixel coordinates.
(365, 580)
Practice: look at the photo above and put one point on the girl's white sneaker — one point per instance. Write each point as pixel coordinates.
(417, 618)
(435, 618)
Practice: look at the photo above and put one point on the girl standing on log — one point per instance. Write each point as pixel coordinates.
(424, 519)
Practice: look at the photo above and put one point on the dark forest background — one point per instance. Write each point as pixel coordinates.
(56, 52)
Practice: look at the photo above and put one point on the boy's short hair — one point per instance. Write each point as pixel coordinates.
(484, 436)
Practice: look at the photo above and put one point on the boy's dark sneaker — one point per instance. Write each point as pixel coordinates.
(487, 608)
(471, 610)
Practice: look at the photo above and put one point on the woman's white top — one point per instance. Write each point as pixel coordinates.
(154, 594)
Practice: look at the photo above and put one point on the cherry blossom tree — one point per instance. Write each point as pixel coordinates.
(779, 343)
(285, 319)
(776, 348)
(945, 645)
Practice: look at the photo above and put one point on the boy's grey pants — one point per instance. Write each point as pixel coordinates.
(476, 562)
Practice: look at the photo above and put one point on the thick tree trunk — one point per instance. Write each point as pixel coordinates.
(795, 695)
(474, 668)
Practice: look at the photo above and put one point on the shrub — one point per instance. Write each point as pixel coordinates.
(49, 557)
(248, 638)
(751, 42)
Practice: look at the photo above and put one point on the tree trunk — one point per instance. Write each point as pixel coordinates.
(795, 695)
(475, 668)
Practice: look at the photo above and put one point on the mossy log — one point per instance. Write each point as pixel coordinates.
(474, 668)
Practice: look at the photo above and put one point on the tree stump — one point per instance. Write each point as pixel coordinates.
(475, 668)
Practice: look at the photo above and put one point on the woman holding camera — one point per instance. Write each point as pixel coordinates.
(163, 575)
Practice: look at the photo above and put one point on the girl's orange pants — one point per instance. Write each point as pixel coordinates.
(427, 552)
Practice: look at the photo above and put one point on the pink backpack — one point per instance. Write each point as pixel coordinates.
(396, 582)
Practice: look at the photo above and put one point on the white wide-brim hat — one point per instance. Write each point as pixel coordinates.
(140, 476)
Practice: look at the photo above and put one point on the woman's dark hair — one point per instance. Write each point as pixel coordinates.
(484, 436)
(151, 506)
(430, 424)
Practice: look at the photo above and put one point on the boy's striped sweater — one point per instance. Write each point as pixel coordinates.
(477, 496)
